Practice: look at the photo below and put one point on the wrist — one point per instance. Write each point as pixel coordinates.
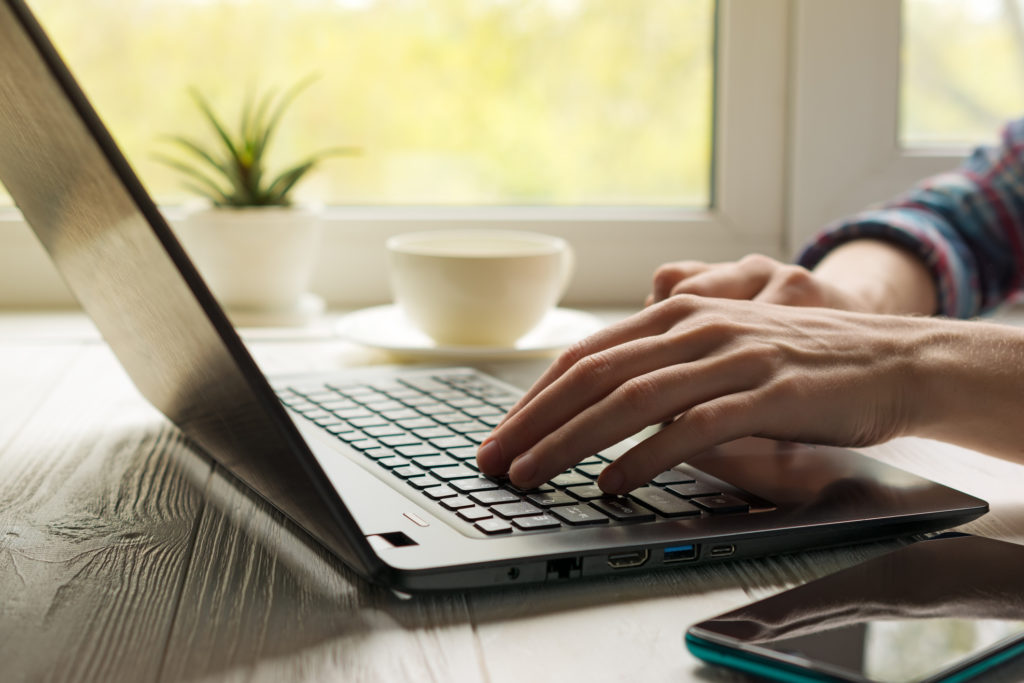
(969, 386)
(879, 277)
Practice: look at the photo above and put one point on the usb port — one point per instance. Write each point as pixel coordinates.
(680, 553)
(722, 550)
(627, 560)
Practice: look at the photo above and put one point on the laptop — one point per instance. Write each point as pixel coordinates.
(377, 463)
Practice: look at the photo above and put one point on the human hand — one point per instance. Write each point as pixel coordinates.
(716, 370)
(754, 277)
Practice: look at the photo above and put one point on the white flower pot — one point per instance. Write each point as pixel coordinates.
(256, 260)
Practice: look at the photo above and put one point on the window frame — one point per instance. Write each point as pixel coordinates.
(846, 106)
(617, 248)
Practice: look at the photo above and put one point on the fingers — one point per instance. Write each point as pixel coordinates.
(585, 383)
(619, 415)
(669, 275)
(696, 385)
(702, 427)
(646, 323)
(793, 286)
(743, 279)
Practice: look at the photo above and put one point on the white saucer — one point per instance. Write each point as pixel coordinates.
(387, 328)
(304, 311)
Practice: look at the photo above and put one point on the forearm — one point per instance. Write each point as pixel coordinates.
(884, 278)
(971, 387)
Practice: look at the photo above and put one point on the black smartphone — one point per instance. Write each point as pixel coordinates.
(946, 609)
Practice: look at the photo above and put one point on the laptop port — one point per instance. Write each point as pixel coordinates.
(680, 553)
(627, 560)
(565, 568)
(722, 550)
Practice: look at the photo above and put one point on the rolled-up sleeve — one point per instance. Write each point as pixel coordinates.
(967, 226)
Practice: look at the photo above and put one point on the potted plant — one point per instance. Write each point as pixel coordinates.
(255, 248)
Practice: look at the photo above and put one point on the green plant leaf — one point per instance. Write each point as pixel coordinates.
(214, 121)
(243, 167)
(202, 185)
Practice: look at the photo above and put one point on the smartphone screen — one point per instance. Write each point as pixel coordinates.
(942, 609)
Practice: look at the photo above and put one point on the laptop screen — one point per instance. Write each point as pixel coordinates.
(122, 262)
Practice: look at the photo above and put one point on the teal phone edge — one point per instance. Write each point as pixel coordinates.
(720, 655)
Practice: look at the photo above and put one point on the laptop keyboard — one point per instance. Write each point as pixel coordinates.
(424, 430)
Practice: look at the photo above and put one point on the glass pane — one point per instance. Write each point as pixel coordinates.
(963, 70)
(478, 102)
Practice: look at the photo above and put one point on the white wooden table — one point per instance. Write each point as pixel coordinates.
(124, 556)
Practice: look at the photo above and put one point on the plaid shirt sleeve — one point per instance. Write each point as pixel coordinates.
(967, 226)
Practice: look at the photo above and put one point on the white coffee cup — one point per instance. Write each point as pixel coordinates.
(478, 287)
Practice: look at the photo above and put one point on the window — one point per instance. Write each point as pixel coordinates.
(963, 66)
(641, 131)
(453, 102)
(853, 144)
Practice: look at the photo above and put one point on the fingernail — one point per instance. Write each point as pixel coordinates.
(523, 470)
(611, 481)
(489, 459)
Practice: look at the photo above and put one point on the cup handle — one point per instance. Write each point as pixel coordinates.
(568, 268)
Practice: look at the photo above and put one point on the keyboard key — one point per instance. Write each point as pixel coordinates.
(340, 428)
(592, 471)
(350, 436)
(464, 453)
(494, 526)
(474, 514)
(721, 503)
(451, 442)
(454, 472)
(590, 492)
(433, 408)
(378, 453)
(477, 437)
(418, 422)
(543, 488)
(448, 417)
(400, 414)
(494, 497)
(371, 421)
(663, 502)
(672, 477)
(383, 430)
(416, 450)
(482, 411)
(465, 402)
(353, 413)
(475, 484)
(393, 462)
(432, 461)
(546, 500)
(433, 432)
(424, 482)
(571, 479)
(694, 488)
(408, 472)
(519, 509)
(465, 427)
(400, 440)
(439, 492)
(536, 522)
(579, 515)
(460, 503)
(623, 510)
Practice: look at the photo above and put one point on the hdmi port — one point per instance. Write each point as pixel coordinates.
(627, 560)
